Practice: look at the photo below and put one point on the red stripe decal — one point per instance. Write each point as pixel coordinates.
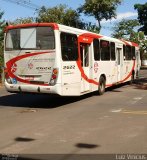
(135, 44)
(126, 42)
(86, 38)
(53, 25)
(129, 75)
(84, 75)
(10, 63)
(97, 83)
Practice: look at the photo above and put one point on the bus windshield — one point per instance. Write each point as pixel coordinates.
(35, 38)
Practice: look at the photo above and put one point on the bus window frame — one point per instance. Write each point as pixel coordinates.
(66, 57)
(108, 47)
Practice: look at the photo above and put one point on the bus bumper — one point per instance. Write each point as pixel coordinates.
(56, 89)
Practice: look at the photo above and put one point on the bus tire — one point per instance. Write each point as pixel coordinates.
(101, 87)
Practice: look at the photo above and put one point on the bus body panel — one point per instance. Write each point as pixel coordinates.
(52, 71)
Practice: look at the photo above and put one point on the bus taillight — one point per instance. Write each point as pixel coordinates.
(54, 77)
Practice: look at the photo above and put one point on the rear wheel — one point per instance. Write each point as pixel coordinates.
(101, 87)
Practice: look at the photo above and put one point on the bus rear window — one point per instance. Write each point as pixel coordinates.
(40, 38)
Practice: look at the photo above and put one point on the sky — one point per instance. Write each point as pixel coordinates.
(13, 11)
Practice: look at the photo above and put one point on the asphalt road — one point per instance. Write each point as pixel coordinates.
(113, 123)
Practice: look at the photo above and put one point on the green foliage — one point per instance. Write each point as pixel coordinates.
(2, 25)
(23, 20)
(60, 14)
(100, 9)
(142, 16)
(125, 29)
(143, 45)
(91, 27)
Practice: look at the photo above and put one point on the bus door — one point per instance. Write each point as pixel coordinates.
(119, 63)
(85, 63)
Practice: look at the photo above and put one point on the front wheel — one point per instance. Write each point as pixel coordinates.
(101, 87)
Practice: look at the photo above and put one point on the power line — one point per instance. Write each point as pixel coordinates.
(24, 3)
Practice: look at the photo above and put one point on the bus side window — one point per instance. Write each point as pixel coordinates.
(96, 48)
(105, 50)
(128, 52)
(69, 47)
(86, 55)
(124, 52)
(112, 49)
(133, 52)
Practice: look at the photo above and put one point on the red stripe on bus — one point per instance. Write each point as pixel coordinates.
(125, 42)
(130, 74)
(84, 76)
(91, 35)
(127, 77)
(88, 39)
(10, 63)
(128, 43)
(53, 25)
(135, 44)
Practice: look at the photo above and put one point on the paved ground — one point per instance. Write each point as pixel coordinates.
(113, 123)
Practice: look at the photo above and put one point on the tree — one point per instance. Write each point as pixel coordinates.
(125, 29)
(60, 14)
(142, 16)
(100, 9)
(143, 45)
(91, 27)
(2, 25)
(23, 20)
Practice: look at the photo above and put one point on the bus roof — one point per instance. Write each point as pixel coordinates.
(69, 29)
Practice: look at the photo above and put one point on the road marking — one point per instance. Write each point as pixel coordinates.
(137, 98)
(134, 112)
(28, 110)
(139, 112)
(116, 110)
(129, 112)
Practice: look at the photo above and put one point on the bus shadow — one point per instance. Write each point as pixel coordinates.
(46, 101)
(38, 101)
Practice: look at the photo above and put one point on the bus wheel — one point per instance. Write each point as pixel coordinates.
(101, 87)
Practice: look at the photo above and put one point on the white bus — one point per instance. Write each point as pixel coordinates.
(57, 59)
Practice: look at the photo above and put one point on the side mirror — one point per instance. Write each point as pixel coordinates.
(134, 58)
